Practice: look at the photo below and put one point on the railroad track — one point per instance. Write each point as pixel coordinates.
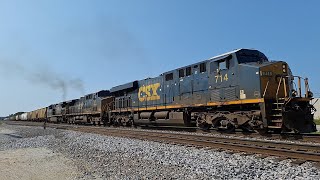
(308, 137)
(302, 152)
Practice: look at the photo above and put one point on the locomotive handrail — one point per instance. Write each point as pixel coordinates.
(306, 84)
(265, 89)
(299, 86)
(307, 87)
(285, 87)
(278, 92)
(299, 90)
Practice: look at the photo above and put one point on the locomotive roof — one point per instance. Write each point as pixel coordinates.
(215, 58)
(224, 54)
(235, 51)
(218, 57)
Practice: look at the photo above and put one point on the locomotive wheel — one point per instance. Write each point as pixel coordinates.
(229, 129)
(224, 125)
(246, 128)
(263, 131)
(128, 123)
(106, 123)
(202, 124)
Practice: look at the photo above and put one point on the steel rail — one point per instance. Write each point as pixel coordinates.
(306, 152)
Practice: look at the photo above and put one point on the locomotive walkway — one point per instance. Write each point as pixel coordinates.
(286, 150)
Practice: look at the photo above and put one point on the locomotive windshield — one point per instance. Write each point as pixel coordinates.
(248, 56)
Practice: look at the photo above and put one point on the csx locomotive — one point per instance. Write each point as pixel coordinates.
(240, 89)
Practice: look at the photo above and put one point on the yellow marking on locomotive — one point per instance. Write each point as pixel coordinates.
(245, 101)
(149, 92)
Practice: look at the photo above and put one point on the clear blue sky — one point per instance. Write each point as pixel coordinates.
(104, 43)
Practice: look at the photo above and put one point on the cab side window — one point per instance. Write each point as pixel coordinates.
(169, 77)
(223, 65)
(188, 71)
(203, 67)
(181, 73)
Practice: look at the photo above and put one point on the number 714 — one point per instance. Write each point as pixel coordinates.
(225, 77)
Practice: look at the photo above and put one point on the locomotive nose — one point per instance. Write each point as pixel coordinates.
(271, 75)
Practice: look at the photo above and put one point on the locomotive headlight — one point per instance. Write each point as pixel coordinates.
(284, 68)
(294, 93)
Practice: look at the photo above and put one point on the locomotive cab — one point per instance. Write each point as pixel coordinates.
(246, 82)
(235, 76)
(234, 90)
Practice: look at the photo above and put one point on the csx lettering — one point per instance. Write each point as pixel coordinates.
(149, 92)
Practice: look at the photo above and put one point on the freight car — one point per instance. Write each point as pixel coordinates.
(23, 117)
(15, 117)
(238, 89)
(37, 115)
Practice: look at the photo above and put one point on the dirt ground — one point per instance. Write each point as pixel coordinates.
(35, 163)
(4, 131)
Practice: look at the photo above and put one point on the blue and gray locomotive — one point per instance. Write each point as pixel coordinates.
(238, 89)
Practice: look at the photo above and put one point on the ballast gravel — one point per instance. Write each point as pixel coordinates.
(106, 157)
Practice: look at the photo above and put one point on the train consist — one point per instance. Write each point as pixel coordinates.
(240, 89)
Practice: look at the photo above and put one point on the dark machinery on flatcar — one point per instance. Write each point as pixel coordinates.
(240, 89)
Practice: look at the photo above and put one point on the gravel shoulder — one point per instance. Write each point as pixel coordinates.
(35, 163)
(92, 156)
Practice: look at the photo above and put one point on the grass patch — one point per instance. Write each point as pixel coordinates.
(317, 121)
(315, 132)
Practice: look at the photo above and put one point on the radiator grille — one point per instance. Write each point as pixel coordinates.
(230, 93)
(215, 95)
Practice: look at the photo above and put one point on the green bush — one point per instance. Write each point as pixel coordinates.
(317, 121)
